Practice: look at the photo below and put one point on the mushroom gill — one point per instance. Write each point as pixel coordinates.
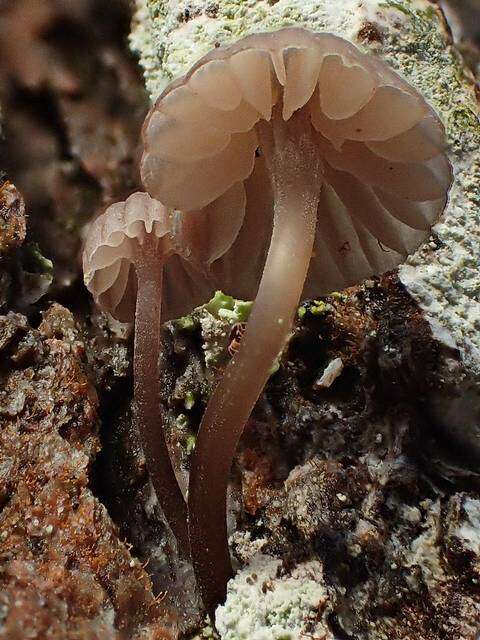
(332, 167)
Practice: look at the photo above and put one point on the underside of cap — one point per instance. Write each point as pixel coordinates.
(386, 176)
(110, 248)
(114, 241)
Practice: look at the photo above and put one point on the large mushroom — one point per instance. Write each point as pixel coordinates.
(125, 255)
(343, 168)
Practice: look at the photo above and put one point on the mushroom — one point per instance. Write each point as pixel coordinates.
(344, 172)
(123, 261)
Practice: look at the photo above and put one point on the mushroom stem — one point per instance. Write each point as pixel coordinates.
(147, 413)
(293, 160)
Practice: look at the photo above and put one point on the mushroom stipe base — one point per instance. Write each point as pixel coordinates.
(295, 166)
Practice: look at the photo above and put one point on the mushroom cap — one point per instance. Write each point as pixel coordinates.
(386, 176)
(112, 245)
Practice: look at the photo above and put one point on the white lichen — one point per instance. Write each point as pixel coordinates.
(285, 607)
(425, 552)
(469, 530)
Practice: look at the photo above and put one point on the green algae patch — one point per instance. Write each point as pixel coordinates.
(316, 308)
(189, 400)
(227, 308)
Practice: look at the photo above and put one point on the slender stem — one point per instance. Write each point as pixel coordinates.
(293, 160)
(147, 413)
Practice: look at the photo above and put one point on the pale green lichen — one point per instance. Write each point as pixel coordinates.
(225, 307)
(338, 296)
(189, 400)
(185, 324)
(302, 312)
(320, 308)
(190, 443)
(171, 35)
(285, 605)
(182, 423)
(215, 320)
(411, 36)
(316, 308)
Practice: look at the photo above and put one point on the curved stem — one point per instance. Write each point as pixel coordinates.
(147, 414)
(296, 178)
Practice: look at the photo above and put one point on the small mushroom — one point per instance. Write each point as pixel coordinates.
(125, 254)
(332, 166)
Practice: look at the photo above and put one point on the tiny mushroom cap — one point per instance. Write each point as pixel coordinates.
(385, 174)
(114, 245)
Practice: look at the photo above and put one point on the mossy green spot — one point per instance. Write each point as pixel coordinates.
(189, 401)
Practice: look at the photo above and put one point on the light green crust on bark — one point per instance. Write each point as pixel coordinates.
(412, 36)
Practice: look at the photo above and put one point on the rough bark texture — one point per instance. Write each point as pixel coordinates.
(356, 475)
(65, 571)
